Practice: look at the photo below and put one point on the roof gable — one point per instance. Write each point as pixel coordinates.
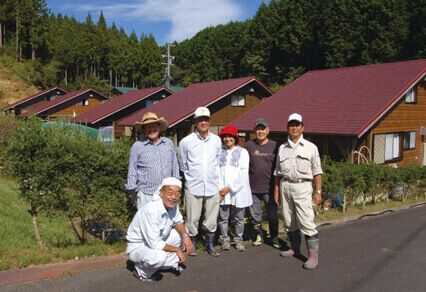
(34, 96)
(182, 104)
(59, 100)
(117, 104)
(344, 101)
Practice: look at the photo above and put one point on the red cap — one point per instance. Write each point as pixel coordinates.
(230, 130)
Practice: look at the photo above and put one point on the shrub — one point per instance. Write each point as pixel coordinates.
(61, 170)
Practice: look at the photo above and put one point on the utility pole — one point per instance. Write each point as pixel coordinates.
(167, 77)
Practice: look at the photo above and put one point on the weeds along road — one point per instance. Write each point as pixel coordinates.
(382, 253)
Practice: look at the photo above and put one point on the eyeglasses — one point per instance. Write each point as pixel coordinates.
(170, 193)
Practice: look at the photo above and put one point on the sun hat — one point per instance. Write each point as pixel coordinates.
(150, 118)
(201, 112)
(230, 130)
(295, 117)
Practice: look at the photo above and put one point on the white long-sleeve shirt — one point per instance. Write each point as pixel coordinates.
(152, 225)
(234, 173)
(199, 161)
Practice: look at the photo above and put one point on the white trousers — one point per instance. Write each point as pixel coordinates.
(296, 206)
(142, 199)
(148, 261)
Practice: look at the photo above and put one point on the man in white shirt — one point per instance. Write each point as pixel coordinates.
(157, 238)
(199, 161)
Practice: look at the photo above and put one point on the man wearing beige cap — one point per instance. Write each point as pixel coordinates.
(199, 154)
(298, 162)
(152, 159)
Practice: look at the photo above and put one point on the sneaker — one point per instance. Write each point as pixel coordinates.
(153, 279)
(240, 246)
(226, 244)
(258, 241)
(275, 242)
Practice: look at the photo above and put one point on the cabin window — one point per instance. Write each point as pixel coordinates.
(392, 146)
(411, 95)
(237, 100)
(409, 140)
(50, 98)
(84, 102)
(151, 102)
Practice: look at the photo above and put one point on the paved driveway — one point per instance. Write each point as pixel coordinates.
(383, 253)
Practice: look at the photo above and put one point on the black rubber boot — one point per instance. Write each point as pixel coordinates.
(273, 230)
(259, 235)
(193, 252)
(295, 241)
(210, 245)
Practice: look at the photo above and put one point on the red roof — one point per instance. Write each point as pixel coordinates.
(183, 103)
(33, 96)
(346, 101)
(59, 100)
(116, 104)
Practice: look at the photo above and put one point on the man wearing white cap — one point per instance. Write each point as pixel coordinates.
(157, 238)
(151, 159)
(198, 157)
(298, 162)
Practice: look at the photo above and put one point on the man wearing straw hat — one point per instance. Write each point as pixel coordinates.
(152, 159)
(157, 238)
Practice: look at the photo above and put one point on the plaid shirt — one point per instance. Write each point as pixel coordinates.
(150, 163)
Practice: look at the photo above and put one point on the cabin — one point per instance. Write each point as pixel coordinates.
(67, 106)
(28, 103)
(226, 100)
(361, 114)
(106, 116)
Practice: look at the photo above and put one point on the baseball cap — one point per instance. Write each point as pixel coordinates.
(201, 112)
(261, 121)
(295, 117)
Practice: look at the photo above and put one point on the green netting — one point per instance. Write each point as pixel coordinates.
(89, 132)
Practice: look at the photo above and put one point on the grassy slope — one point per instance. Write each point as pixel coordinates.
(18, 247)
(12, 88)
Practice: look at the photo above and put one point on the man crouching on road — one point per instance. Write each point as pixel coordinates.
(157, 238)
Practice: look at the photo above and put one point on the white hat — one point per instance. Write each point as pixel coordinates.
(295, 117)
(168, 181)
(201, 112)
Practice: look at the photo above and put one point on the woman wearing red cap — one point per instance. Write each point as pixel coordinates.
(234, 187)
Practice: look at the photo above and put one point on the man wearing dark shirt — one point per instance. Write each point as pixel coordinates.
(262, 153)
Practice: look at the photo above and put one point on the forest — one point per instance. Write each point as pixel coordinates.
(283, 40)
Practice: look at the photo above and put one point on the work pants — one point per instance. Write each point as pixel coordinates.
(194, 206)
(238, 214)
(148, 261)
(296, 203)
(270, 206)
(142, 199)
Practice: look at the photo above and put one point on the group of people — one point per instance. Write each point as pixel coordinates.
(222, 181)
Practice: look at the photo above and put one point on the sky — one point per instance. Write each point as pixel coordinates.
(166, 20)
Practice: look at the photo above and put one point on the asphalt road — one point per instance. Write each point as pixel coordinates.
(382, 253)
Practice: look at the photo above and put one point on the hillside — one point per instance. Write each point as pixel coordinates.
(12, 88)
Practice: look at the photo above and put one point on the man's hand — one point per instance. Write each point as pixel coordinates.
(131, 196)
(317, 199)
(181, 256)
(277, 197)
(187, 244)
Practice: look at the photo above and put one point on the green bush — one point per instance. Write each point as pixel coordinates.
(61, 171)
(357, 183)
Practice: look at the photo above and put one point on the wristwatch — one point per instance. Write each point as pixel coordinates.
(319, 192)
(185, 235)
